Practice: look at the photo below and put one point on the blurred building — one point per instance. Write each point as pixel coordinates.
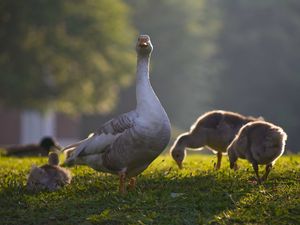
(29, 126)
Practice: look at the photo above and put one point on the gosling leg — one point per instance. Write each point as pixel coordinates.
(255, 167)
(218, 165)
(268, 169)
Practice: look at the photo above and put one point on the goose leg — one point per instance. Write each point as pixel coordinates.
(218, 165)
(255, 167)
(132, 183)
(268, 169)
(122, 178)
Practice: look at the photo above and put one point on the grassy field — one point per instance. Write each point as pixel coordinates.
(164, 195)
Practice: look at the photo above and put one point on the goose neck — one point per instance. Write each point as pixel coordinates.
(144, 93)
(142, 68)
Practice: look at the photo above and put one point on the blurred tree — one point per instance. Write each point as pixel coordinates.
(183, 69)
(71, 55)
(237, 55)
(260, 54)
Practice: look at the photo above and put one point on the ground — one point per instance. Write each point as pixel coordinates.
(165, 195)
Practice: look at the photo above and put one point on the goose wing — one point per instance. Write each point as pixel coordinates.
(98, 141)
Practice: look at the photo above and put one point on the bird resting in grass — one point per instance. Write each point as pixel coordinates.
(127, 144)
(46, 145)
(49, 176)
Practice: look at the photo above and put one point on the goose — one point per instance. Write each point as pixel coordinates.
(49, 176)
(42, 149)
(214, 130)
(261, 143)
(126, 145)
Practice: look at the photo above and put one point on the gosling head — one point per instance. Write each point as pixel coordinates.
(178, 151)
(178, 155)
(232, 155)
(144, 45)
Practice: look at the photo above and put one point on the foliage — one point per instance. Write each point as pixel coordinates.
(257, 47)
(72, 55)
(164, 195)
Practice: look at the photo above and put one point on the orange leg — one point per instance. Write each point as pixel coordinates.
(122, 178)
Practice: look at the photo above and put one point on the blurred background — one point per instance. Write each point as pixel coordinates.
(68, 66)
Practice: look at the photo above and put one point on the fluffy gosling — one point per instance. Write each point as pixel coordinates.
(214, 130)
(261, 143)
(49, 176)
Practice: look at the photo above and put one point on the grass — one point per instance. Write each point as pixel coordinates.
(164, 195)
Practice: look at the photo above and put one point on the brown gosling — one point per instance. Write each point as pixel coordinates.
(214, 130)
(49, 176)
(261, 143)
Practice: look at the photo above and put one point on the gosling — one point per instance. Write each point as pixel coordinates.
(49, 176)
(261, 143)
(214, 130)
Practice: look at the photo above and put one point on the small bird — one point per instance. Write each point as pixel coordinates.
(214, 130)
(261, 143)
(126, 145)
(49, 176)
(41, 149)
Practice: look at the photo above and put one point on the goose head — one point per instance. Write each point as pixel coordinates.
(144, 46)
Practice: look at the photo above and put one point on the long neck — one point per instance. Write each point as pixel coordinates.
(145, 95)
(189, 140)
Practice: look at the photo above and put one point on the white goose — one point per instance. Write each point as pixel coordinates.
(126, 145)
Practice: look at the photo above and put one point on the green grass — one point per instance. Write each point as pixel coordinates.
(164, 195)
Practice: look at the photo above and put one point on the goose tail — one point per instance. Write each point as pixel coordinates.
(73, 150)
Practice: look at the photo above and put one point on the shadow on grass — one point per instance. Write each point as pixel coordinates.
(161, 197)
(164, 195)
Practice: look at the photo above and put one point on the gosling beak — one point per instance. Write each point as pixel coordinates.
(179, 165)
(143, 44)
